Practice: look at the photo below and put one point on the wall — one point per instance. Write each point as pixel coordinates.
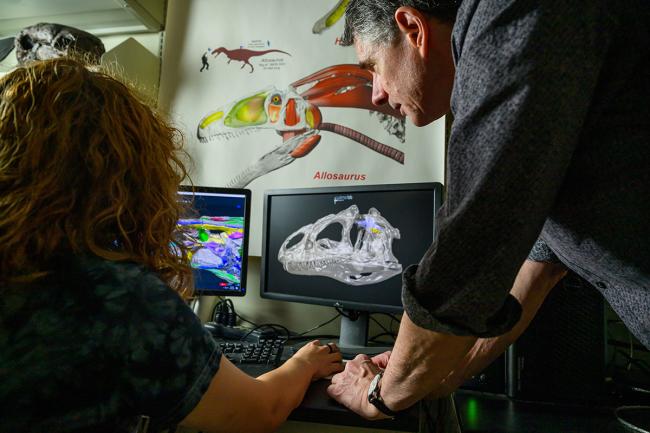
(175, 80)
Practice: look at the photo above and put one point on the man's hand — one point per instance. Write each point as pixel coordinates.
(350, 387)
(381, 360)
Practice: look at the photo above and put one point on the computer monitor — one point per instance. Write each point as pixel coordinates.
(346, 247)
(215, 229)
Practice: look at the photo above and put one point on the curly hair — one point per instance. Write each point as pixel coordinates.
(86, 167)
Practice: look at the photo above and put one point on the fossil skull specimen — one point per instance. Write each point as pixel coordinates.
(47, 41)
(370, 260)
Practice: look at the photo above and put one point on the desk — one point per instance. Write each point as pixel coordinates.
(485, 413)
(478, 413)
(318, 407)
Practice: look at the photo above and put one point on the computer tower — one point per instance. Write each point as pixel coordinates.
(562, 354)
(492, 379)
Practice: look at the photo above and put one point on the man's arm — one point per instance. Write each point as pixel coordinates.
(425, 362)
(534, 282)
(442, 362)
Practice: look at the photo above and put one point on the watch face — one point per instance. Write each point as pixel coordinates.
(373, 387)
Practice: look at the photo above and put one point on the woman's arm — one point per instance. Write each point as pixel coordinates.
(236, 402)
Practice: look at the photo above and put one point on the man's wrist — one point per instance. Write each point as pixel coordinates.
(375, 398)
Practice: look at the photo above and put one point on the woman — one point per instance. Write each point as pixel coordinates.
(94, 333)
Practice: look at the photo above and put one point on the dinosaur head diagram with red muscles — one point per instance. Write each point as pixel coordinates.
(294, 114)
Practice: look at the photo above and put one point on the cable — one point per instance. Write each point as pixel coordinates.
(635, 418)
(243, 319)
(352, 315)
(319, 326)
(224, 313)
(273, 326)
(642, 365)
(375, 339)
(392, 316)
(231, 316)
(383, 327)
(313, 337)
(393, 319)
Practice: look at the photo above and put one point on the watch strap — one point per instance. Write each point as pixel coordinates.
(374, 397)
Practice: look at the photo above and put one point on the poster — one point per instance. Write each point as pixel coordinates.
(267, 98)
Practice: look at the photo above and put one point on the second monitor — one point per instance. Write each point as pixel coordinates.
(346, 247)
(214, 231)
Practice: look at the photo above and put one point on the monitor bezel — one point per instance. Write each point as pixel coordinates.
(247, 213)
(435, 187)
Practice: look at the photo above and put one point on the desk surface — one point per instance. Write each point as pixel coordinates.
(318, 407)
(478, 413)
(483, 413)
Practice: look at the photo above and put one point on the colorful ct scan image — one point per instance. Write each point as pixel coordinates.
(214, 239)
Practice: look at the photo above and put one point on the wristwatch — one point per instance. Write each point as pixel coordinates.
(374, 396)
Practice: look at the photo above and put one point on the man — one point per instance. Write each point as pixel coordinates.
(550, 148)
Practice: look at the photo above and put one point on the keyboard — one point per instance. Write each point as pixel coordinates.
(254, 358)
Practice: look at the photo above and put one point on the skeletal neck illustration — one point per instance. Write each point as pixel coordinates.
(370, 260)
(294, 114)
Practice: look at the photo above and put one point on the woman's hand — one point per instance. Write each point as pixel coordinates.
(324, 360)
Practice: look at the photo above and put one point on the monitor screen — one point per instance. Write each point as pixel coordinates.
(215, 231)
(345, 246)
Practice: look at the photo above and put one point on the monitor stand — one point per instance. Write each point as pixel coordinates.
(353, 339)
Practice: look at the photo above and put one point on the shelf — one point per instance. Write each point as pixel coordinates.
(99, 17)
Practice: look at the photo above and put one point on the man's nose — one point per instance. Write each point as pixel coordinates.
(379, 95)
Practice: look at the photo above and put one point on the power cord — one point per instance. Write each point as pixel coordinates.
(273, 326)
(634, 418)
(301, 334)
(386, 331)
(224, 313)
(376, 339)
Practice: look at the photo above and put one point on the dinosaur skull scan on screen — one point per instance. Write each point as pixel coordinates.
(370, 260)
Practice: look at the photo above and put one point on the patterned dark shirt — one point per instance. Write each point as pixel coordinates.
(96, 344)
(550, 140)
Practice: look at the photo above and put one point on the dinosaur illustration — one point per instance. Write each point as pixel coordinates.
(243, 55)
(331, 17)
(296, 117)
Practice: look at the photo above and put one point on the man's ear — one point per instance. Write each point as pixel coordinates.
(414, 25)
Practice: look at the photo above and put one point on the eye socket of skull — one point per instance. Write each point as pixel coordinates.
(295, 240)
(25, 42)
(63, 41)
(332, 232)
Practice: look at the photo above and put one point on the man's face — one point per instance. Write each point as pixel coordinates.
(418, 86)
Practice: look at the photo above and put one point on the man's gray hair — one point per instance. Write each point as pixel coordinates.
(374, 20)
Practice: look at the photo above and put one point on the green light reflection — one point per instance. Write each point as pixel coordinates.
(472, 412)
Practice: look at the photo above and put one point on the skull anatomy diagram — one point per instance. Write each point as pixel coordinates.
(370, 260)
